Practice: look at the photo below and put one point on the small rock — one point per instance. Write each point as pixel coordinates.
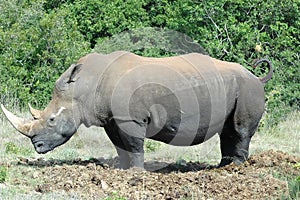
(77, 160)
(35, 175)
(23, 160)
(104, 185)
(42, 188)
(68, 185)
(96, 179)
(69, 182)
(134, 181)
(105, 166)
(91, 166)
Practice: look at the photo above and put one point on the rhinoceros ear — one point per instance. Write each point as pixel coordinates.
(68, 77)
(75, 70)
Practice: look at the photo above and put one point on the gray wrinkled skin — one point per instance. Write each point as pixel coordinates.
(181, 100)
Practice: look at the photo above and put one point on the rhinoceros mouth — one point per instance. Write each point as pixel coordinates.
(41, 147)
(42, 150)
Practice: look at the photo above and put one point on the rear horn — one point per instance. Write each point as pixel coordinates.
(36, 114)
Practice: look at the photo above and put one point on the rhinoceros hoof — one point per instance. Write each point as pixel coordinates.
(234, 159)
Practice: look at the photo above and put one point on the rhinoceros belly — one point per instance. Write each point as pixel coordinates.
(182, 117)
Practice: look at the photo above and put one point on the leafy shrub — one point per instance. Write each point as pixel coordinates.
(36, 47)
(149, 42)
(99, 19)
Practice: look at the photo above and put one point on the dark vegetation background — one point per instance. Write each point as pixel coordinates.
(40, 39)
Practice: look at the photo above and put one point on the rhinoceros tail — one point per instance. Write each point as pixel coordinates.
(270, 68)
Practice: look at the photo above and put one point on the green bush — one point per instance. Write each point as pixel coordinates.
(36, 47)
(40, 39)
(97, 19)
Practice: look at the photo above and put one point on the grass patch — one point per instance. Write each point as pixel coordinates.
(115, 196)
(3, 174)
(294, 188)
(12, 148)
(151, 146)
(297, 165)
(283, 137)
(293, 183)
(70, 154)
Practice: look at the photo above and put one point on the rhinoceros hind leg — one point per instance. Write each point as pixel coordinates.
(235, 142)
(234, 149)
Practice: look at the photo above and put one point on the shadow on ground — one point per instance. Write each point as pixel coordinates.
(152, 166)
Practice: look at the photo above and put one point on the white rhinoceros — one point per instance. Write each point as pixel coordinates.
(181, 100)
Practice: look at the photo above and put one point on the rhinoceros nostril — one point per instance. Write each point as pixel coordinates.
(39, 144)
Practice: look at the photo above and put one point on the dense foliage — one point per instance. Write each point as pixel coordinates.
(39, 39)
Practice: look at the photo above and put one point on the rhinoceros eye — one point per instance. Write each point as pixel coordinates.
(51, 120)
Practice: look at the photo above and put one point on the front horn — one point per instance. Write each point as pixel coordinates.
(20, 124)
(36, 114)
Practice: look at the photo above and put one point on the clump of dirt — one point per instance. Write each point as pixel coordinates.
(258, 178)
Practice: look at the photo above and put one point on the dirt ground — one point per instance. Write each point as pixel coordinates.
(259, 178)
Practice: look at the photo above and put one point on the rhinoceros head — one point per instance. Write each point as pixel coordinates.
(54, 125)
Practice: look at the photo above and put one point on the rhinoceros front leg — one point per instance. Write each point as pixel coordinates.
(128, 138)
(124, 158)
